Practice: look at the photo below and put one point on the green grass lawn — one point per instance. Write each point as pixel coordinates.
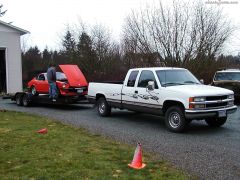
(68, 153)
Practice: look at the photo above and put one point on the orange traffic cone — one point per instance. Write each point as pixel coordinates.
(42, 131)
(137, 159)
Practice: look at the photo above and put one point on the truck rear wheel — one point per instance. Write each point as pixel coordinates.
(175, 119)
(216, 122)
(103, 107)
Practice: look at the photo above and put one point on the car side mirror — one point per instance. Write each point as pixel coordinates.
(151, 86)
(201, 81)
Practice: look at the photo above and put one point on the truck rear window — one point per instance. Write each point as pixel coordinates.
(132, 78)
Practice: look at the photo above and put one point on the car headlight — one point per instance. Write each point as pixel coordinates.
(64, 86)
(231, 96)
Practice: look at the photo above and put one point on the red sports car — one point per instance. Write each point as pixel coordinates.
(69, 83)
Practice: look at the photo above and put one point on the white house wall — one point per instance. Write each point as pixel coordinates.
(11, 41)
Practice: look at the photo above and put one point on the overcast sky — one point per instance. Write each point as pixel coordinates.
(47, 19)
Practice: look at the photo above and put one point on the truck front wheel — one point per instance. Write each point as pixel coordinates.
(103, 107)
(175, 119)
(216, 122)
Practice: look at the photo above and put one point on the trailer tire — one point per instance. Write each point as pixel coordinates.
(103, 107)
(19, 100)
(25, 100)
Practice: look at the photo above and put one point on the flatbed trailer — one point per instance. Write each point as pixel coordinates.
(28, 99)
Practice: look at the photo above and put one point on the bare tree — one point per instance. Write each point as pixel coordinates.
(101, 41)
(178, 33)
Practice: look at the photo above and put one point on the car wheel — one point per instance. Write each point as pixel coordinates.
(103, 107)
(25, 100)
(216, 122)
(34, 91)
(175, 119)
(19, 101)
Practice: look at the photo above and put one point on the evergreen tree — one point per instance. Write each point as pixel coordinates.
(87, 55)
(69, 45)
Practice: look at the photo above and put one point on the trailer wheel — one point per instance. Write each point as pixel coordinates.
(19, 100)
(25, 100)
(103, 107)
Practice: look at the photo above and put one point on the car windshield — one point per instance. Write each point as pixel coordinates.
(176, 77)
(221, 76)
(61, 76)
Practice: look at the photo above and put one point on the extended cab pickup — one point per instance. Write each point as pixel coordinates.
(171, 92)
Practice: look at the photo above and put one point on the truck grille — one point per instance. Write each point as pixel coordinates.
(216, 98)
(217, 101)
(215, 105)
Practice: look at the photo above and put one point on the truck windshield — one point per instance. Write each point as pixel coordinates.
(235, 76)
(176, 77)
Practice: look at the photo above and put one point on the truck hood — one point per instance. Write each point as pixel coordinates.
(74, 75)
(200, 90)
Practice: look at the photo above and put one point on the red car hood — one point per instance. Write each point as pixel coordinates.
(74, 75)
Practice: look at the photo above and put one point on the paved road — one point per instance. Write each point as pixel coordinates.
(205, 152)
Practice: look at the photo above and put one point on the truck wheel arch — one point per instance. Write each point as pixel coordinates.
(167, 104)
(99, 96)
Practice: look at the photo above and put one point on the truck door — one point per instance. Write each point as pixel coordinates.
(128, 91)
(147, 101)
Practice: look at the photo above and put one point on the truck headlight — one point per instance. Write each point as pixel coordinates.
(231, 103)
(199, 99)
(197, 102)
(199, 106)
(231, 96)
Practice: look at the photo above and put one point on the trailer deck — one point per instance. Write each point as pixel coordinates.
(27, 99)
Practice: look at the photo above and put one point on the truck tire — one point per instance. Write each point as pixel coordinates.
(19, 101)
(103, 107)
(175, 119)
(216, 122)
(25, 100)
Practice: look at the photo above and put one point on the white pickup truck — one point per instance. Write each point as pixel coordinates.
(171, 92)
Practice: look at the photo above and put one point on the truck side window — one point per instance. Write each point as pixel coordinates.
(132, 78)
(145, 77)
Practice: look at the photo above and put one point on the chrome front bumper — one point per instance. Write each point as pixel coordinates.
(206, 113)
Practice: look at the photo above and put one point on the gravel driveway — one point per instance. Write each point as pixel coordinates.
(202, 151)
